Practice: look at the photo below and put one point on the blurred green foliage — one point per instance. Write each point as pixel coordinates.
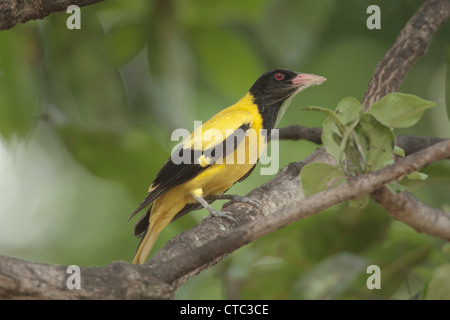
(86, 117)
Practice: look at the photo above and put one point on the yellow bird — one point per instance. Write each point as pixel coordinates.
(221, 152)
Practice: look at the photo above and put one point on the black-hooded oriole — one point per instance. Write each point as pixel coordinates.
(221, 152)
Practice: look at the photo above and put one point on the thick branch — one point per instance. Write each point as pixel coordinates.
(192, 251)
(13, 12)
(119, 280)
(409, 46)
(388, 76)
(406, 208)
(296, 208)
(282, 199)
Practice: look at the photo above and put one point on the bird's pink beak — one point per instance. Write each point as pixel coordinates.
(306, 80)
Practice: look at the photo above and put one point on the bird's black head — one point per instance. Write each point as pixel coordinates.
(274, 87)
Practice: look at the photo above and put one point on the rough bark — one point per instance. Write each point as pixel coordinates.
(409, 46)
(13, 12)
(281, 198)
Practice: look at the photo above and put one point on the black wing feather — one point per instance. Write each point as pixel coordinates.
(172, 175)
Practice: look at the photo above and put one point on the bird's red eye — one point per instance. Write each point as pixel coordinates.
(279, 76)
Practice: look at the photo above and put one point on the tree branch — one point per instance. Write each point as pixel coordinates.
(388, 76)
(289, 176)
(13, 12)
(192, 251)
(406, 208)
(409, 144)
(281, 198)
(297, 132)
(409, 46)
(118, 280)
(287, 204)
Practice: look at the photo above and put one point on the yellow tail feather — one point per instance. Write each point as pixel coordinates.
(145, 246)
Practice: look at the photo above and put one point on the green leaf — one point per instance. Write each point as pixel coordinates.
(336, 127)
(399, 151)
(348, 109)
(350, 150)
(416, 175)
(359, 203)
(332, 134)
(376, 141)
(438, 285)
(331, 138)
(331, 115)
(395, 187)
(318, 176)
(399, 110)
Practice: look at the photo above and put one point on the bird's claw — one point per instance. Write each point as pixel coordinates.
(236, 198)
(224, 214)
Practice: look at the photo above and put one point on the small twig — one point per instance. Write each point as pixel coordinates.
(409, 144)
(297, 132)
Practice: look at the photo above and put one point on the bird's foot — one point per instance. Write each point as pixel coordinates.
(235, 198)
(224, 215)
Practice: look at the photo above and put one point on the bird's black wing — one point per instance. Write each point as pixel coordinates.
(173, 174)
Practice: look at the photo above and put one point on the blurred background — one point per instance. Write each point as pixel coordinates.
(86, 117)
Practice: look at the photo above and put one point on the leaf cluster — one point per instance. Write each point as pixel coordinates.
(362, 141)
